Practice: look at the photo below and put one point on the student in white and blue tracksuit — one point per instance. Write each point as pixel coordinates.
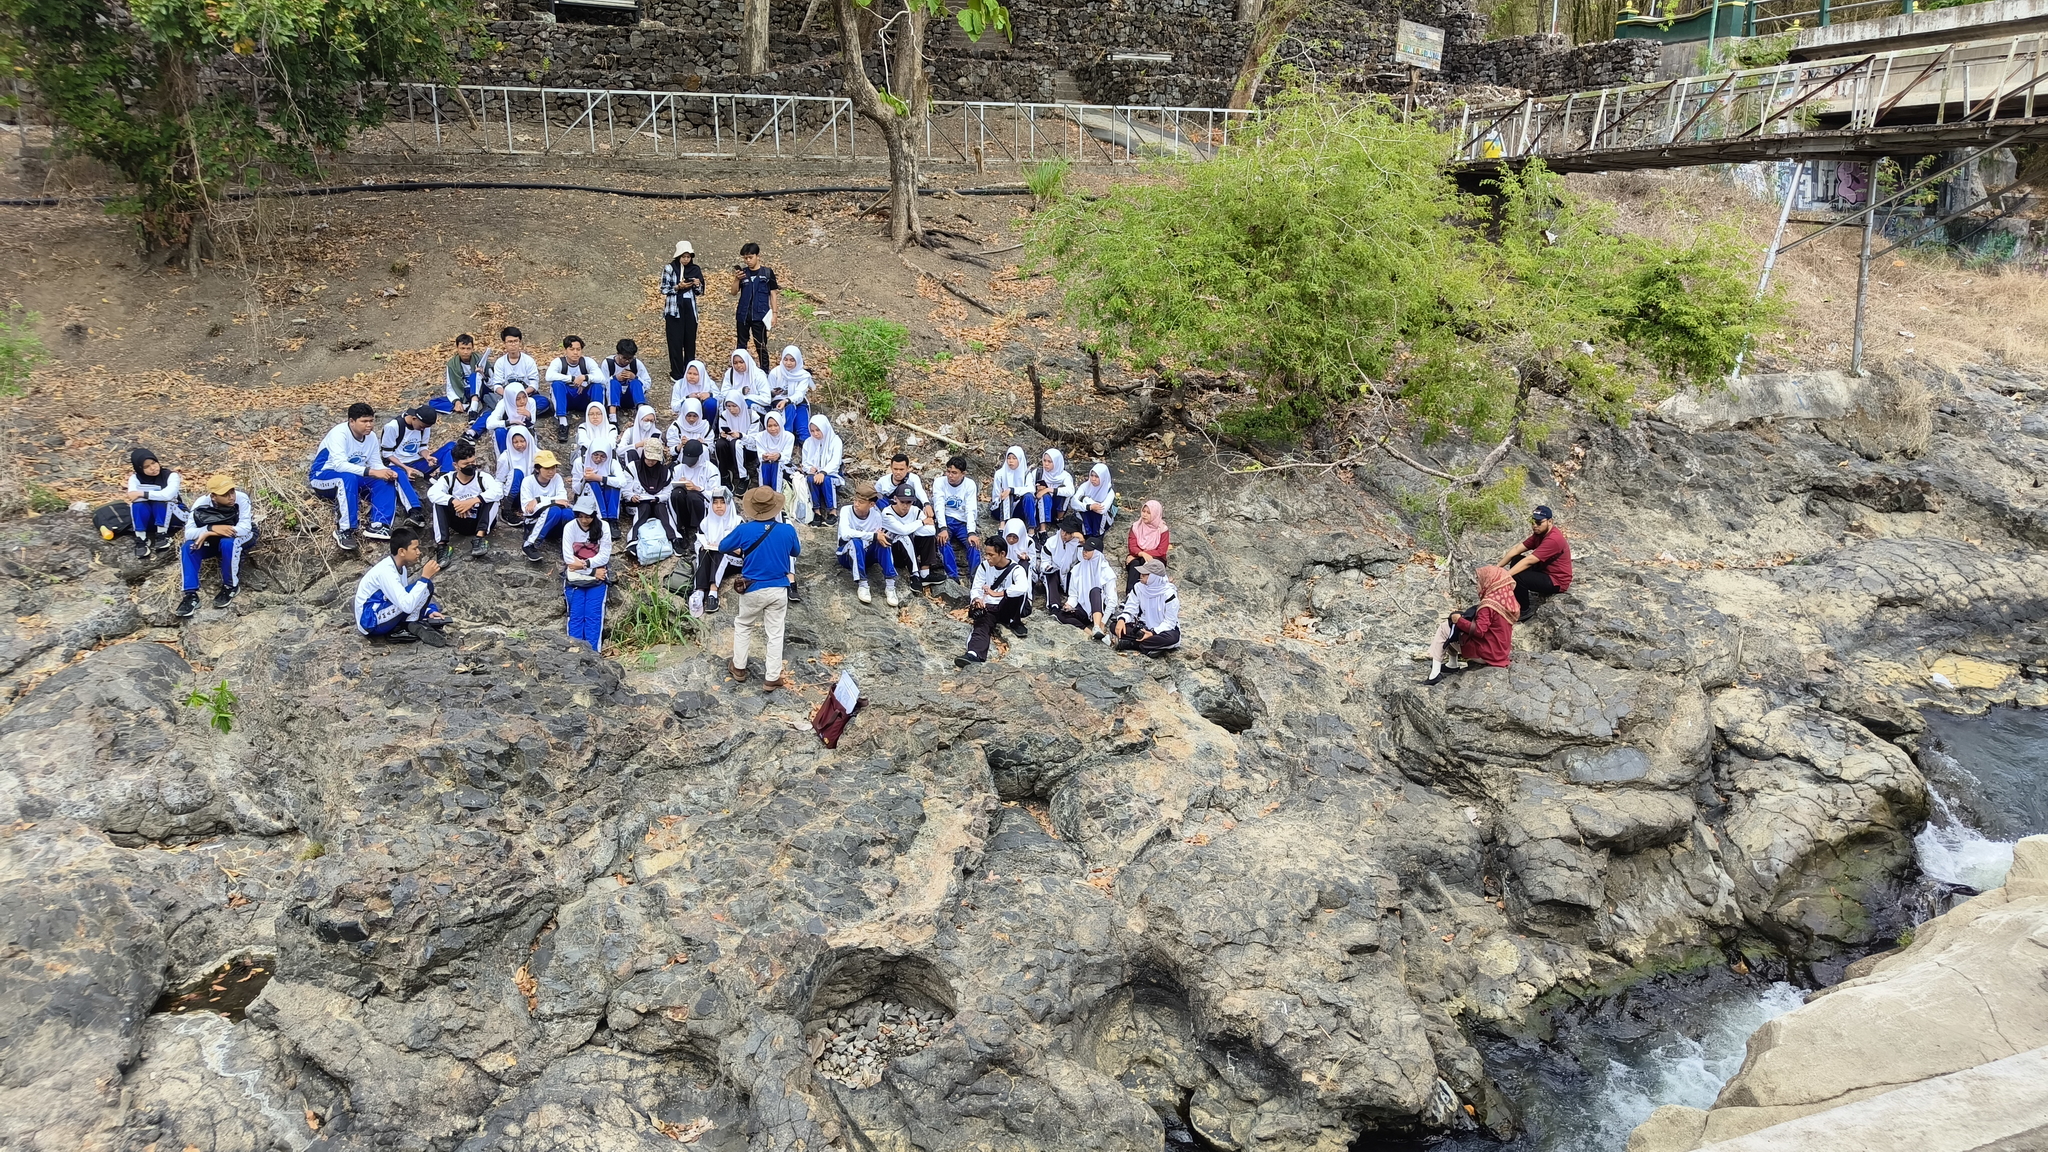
(694, 389)
(789, 391)
(860, 543)
(517, 408)
(1052, 488)
(465, 502)
(576, 381)
(545, 501)
(821, 460)
(775, 448)
(222, 525)
(391, 602)
(1095, 500)
(625, 377)
(955, 503)
(586, 564)
(155, 506)
(515, 464)
(404, 440)
(515, 366)
(348, 465)
(598, 477)
(1010, 489)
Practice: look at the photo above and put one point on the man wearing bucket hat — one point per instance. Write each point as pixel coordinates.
(682, 285)
(767, 550)
(221, 526)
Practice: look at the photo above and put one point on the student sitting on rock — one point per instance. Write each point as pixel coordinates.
(391, 602)
(1148, 539)
(465, 502)
(789, 391)
(1051, 489)
(735, 447)
(646, 426)
(908, 529)
(1149, 621)
(1001, 595)
(955, 502)
(1061, 552)
(713, 565)
(1010, 489)
(349, 465)
(545, 501)
(1095, 500)
(1091, 589)
(900, 475)
(626, 377)
(586, 561)
(692, 478)
(222, 525)
(691, 424)
(1542, 563)
(649, 492)
(862, 543)
(1483, 633)
(515, 366)
(823, 459)
(696, 391)
(775, 449)
(596, 430)
(515, 464)
(576, 382)
(155, 506)
(517, 408)
(405, 441)
(598, 477)
(466, 382)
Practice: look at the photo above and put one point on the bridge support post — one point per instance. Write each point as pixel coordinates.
(1863, 280)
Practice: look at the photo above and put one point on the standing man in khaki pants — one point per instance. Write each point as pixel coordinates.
(768, 549)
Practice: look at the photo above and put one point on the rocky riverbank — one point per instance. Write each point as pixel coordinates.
(519, 896)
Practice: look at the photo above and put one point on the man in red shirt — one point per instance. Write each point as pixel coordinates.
(1542, 564)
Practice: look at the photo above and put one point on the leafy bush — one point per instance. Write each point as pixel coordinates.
(43, 499)
(1047, 178)
(863, 353)
(219, 705)
(653, 617)
(1331, 255)
(20, 350)
(1486, 508)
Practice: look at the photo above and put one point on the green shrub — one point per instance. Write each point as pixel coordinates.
(20, 350)
(1486, 508)
(653, 617)
(864, 351)
(43, 500)
(219, 705)
(1047, 179)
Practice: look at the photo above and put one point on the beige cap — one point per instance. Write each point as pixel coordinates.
(220, 483)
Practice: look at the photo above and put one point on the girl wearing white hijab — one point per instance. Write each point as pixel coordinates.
(598, 476)
(696, 390)
(823, 457)
(717, 524)
(1021, 551)
(1091, 589)
(690, 424)
(748, 380)
(1010, 491)
(1096, 501)
(1051, 488)
(515, 464)
(516, 406)
(645, 426)
(1149, 621)
(789, 389)
(735, 443)
(776, 450)
(596, 431)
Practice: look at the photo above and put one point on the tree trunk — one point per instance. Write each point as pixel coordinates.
(1272, 19)
(753, 37)
(913, 95)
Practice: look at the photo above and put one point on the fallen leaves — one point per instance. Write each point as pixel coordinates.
(683, 1133)
(528, 987)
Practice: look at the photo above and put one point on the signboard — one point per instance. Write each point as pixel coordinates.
(1419, 46)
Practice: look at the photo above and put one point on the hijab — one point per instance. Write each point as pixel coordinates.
(1096, 490)
(514, 458)
(713, 529)
(729, 420)
(824, 453)
(752, 382)
(137, 458)
(690, 425)
(773, 437)
(1152, 588)
(1055, 475)
(1020, 549)
(703, 383)
(1010, 476)
(1497, 591)
(787, 378)
(645, 426)
(1151, 527)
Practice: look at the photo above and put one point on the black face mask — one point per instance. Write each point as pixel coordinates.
(467, 470)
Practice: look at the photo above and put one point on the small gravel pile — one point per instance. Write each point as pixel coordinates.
(853, 1044)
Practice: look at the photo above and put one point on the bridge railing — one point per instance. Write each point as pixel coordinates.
(1983, 81)
(651, 124)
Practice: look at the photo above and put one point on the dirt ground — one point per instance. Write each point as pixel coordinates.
(311, 303)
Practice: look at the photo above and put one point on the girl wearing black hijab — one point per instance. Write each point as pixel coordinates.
(154, 505)
(650, 484)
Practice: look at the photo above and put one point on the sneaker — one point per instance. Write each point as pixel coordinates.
(793, 597)
(1106, 638)
(711, 602)
(402, 636)
(188, 605)
(861, 590)
(889, 594)
(345, 539)
(142, 548)
(377, 532)
(697, 605)
(225, 596)
(1529, 613)
(1018, 630)
(444, 554)
(562, 433)
(166, 543)
(966, 658)
(531, 552)
(428, 635)
(479, 548)
(772, 685)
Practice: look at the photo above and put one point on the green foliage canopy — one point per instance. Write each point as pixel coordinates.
(1332, 254)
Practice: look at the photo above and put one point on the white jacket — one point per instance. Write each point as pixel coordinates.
(535, 496)
(572, 535)
(387, 577)
(956, 503)
(245, 523)
(991, 582)
(448, 487)
(342, 452)
(504, 373)
(853, 526)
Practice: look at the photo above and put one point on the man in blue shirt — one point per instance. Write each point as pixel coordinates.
(754, 283)
(770, 548)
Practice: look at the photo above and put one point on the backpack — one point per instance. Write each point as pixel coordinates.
(650, 542)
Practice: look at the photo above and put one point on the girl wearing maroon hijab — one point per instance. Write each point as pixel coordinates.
(1482, 634)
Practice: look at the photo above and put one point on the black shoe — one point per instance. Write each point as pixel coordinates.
(166, 543)
(444, 553)
(142, 548)
(711, 602)
(377, 532)
(478, 549)
(188, 605)
(964, 660)
(1018, 630)
(225, 596)
(1529, 613)
(561, 433)
(345, 539)
(428, 635)
(402, 636)
(531, 552)
(793, 597)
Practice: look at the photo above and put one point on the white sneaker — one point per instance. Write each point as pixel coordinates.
(889, 594)
(697, 605)
(861, 590)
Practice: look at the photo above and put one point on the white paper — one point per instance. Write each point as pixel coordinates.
(846, 691)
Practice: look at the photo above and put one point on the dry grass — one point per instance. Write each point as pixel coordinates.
(1955, 315)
